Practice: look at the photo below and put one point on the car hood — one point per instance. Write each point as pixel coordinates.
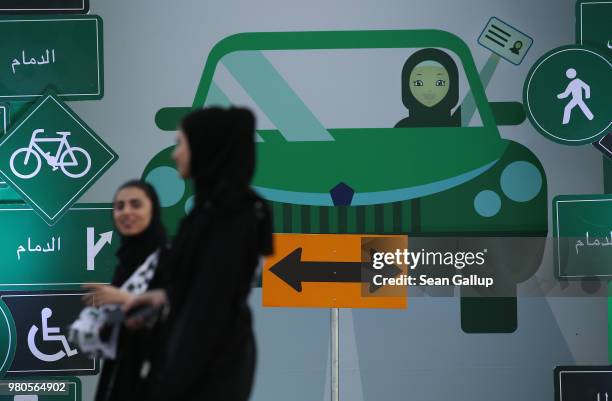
(380, 165)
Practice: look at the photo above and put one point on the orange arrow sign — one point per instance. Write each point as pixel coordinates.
(331, 271)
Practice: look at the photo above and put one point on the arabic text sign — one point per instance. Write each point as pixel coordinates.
(582, 227)
(324, 271)
(41, 323)
(79, 249)
(51, 157)
(62, 52)
(593, 23)
(48, 388)
(44, 6)
(505, 40)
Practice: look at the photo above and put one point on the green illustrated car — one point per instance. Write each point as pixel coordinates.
(364, 132)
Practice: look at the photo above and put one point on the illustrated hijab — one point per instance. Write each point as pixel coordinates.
(440, 114)
(135, 249)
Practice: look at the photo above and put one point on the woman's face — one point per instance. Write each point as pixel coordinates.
(182, 154)
(132, 211)
(429, 83)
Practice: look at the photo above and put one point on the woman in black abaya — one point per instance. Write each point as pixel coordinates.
(137, 218)
(206, 343)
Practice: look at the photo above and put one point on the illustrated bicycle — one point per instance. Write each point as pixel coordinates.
(74, 162)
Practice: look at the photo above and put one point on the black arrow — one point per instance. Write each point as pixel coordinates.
(294, 271)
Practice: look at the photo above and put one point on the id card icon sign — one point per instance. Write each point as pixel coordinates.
(505, 40)
(51, 157)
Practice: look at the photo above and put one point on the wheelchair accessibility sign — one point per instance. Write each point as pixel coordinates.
(51, 157)
(49, 334)
(41, 327)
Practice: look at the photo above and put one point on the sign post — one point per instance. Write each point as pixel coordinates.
(330, 271)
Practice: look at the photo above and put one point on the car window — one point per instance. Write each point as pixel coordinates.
(304, 93)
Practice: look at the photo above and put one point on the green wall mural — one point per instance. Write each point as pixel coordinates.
(432, 173)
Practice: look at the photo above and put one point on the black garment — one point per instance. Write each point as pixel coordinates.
(119, 377)
(440, 114)
(206, 346)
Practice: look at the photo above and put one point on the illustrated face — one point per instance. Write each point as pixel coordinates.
(182, 154)
(429, 83)
(132, 211)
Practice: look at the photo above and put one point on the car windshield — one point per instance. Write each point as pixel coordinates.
(306, 93)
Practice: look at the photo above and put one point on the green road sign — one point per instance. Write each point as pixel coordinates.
(51, 157)
(79, 249)
(44, 6)
(62, 51)
(41, 321)
(593, 25)
(568, 93)
(41, 389)
(582, 229)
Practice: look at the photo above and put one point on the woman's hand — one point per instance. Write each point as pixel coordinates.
(154, 298)
(102, 294)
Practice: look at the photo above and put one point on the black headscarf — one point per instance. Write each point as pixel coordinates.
(222, 144)
(440, 114)
(135, 249)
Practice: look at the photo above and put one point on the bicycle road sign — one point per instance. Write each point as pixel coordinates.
(51, 157)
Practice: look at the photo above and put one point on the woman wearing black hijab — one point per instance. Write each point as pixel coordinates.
(430, 90)
(206, 344)
(137, 218)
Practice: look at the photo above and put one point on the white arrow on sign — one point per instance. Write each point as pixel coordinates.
(93, 248)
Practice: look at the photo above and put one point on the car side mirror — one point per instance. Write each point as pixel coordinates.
(168, 118)
(508, 113)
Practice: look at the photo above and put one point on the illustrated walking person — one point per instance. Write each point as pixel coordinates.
(575, 88)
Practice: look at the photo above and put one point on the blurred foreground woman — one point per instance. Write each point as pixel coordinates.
(205, 346)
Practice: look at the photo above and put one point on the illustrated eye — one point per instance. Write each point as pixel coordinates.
(440, 82)
(418, 82)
